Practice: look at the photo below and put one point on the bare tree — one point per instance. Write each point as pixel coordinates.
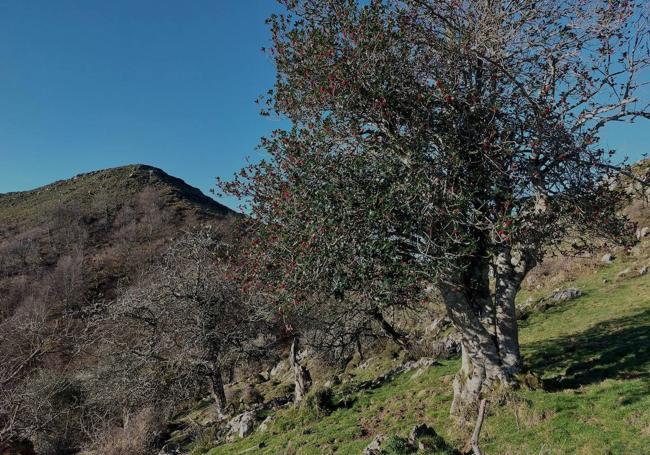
(187, 319)
(33, 343)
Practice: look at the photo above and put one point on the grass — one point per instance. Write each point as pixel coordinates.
(593, 354)
(115, 185)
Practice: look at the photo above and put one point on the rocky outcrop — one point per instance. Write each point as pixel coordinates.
(242, 425)
(374, 448)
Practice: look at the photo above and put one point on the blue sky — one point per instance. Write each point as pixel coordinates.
(94, 84)
(90, 84)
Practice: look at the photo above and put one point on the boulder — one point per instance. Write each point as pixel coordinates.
(242, 425)
(643, 232)
(643, 270)
(264, 426)
(279, 369)
(374, 448)
(623, 273)
(566, 294)
(446, 348)
(607, 258)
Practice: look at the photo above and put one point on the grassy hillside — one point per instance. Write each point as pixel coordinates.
(116, 185)
(593, 354)
(114, 220)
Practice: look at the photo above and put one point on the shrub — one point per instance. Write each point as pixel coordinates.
(396, 445)
(138, 437)
(319, 401)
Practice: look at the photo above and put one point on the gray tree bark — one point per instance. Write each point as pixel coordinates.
(301, 376)
(488, 327)
(509, 273)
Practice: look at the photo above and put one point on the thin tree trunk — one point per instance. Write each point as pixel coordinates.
(302, 378)
(217, 390)
(477, 428)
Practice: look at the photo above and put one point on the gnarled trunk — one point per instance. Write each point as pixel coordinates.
(487, 326)
(481, 364)
(301, 376)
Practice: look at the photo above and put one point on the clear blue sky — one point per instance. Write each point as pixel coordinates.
(90, 84)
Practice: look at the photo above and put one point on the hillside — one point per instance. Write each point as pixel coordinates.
(93, 190)
(79, 242)
(100, 216)
(66, 249)
(592, 355)
(587, 389)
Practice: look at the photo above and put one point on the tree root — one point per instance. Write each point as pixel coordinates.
(477, 428)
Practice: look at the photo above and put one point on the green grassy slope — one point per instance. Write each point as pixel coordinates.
(593, 354)
(115, 185)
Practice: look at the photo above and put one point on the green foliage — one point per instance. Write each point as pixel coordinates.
(396, 445)
(319, 401)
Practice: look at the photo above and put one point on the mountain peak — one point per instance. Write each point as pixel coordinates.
(118, 184)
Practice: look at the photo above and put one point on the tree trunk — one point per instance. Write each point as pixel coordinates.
(301, 376)
(391, 331)
(509, 273)
(217, 390)
(481, 364)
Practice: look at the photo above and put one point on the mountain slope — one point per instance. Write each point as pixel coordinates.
(110, 222)
(116, 184)
(65, 249)
(592, 354)
(587, 390)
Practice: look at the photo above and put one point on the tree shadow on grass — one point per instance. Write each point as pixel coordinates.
(615, 349)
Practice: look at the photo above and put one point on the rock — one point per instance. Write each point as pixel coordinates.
(264, 426)
(280, 368)
(243, 424)
(374, 448)
(643, 270)
(643, 232)
(566, 294)
(446, 349)
(623, 273)
(170, 449)
(419, 431)
(437, 326)
(607, 258)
